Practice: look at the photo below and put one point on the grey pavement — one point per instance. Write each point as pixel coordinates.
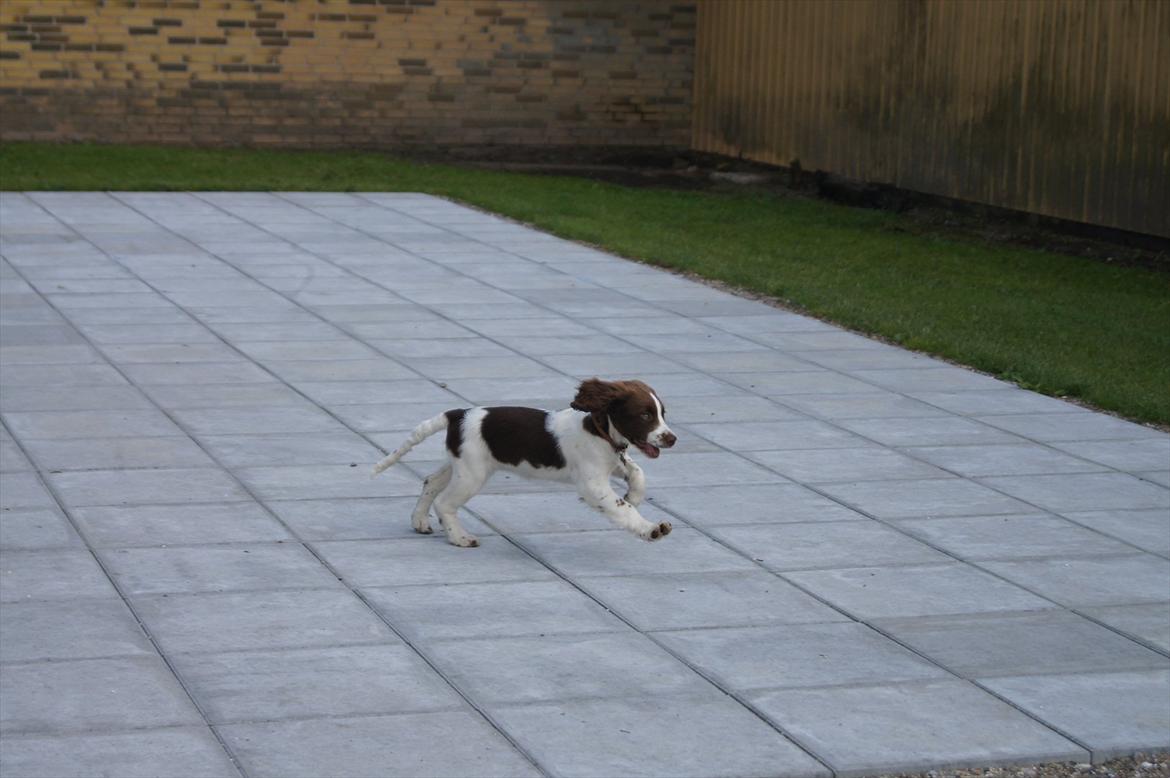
(881, 562)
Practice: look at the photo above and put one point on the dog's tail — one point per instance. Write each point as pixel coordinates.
(421, 433)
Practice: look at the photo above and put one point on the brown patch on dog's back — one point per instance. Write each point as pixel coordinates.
(516, 435)
(455, 430)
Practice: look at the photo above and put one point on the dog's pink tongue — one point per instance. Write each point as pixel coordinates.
(648, 450)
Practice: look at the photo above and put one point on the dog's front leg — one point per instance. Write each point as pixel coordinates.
(598, 494)
(635, 480)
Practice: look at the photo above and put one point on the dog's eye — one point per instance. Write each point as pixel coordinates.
(646, 416)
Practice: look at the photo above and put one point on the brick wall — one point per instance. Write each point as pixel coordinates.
(378, 73)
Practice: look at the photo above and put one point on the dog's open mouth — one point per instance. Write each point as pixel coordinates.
(648, 450)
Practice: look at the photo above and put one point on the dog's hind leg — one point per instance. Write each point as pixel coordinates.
(434, 483)
(462, 487)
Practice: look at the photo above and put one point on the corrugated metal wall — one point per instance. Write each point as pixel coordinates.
(1057, 107)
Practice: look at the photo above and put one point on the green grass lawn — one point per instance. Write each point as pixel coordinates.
(1054, 323)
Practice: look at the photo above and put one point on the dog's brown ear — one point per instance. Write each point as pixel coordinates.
(594, 396)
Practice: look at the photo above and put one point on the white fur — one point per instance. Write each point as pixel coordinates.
(661, 431)
(589, 462)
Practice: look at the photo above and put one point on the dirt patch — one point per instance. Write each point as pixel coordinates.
(1139, 766)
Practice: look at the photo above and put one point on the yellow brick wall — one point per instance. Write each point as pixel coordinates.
(372, 73)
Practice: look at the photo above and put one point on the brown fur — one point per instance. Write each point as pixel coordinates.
(623, 403)
(514, 435)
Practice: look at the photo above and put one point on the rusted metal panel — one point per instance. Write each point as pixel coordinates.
(1056, 107)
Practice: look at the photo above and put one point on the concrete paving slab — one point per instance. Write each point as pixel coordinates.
(291, 330)
(778, 435)
(876, 405)
(36, 528)
(58, 425)
(1149, 624)
(1078, 582)
(711, 506)
(163, 525)
(383, 369)
(909, 727)
(563, 667)
(359, 519)
(795, 655)
(456, 744)
(973, 461)
(178, 752)
(1128, 455)
(799, 382)
(986, 645)
(507, 609)
(1011, 537)
(330, 393)
(388, 417)
(144, 333)
(855, 360)
(117, 453)
(914, 499)
(342, 447)
(1111, 713)
(417, 560)
(12, 459)
(241, 686)
(293, 336)
(719, 599)
(847, 464)
(202, 373)
(709, 735)
(140, 487)
(65, 629)
(92, 694)
(171, 353)
(1081, 425)
(926, 590)
(256, 421)
(620, 553)
(318, 482)
(262, 395)
(52, 575)
(52, 375)
(1160, 477)
(715, 468)
(47, 354)
(1083, 491)
(186, 569)
(929, 379)
(588, 365)
(548, 512)
(928, 431)
(822, 545)
(260, 620)
(731, 407)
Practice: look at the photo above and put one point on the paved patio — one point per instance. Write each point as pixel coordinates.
(881, 562)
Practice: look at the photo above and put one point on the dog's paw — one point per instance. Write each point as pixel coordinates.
(464, 541)
(424, 530)
(661, 531)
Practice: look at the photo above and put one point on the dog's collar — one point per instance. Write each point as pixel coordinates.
(604, 433)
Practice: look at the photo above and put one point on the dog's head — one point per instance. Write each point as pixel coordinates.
(627, 410)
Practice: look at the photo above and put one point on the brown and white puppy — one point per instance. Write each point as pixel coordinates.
(582, 445)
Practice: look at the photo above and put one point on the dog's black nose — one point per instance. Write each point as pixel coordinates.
(668, 440)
